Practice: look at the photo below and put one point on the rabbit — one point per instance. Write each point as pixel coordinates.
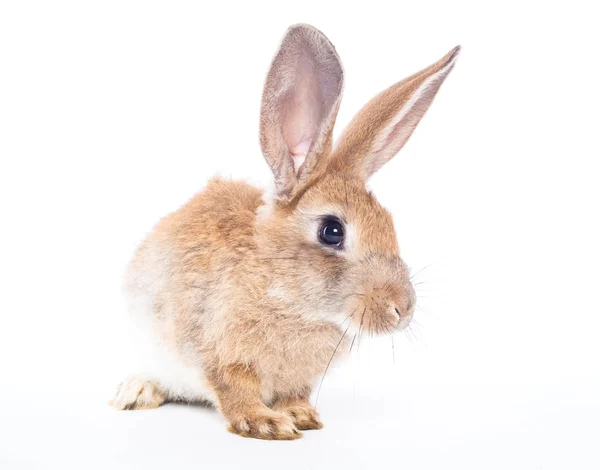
(242, 298)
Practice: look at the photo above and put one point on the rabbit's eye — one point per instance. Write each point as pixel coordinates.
(332, 233)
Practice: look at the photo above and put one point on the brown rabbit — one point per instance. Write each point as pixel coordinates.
(243, 300)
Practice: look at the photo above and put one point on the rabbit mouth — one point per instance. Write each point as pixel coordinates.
(377, 319)
(383, 310)
(404, 321)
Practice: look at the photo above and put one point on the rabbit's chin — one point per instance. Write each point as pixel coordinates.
(404, 323)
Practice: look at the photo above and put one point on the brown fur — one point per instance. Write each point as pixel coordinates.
(305, 417)
(241, 287)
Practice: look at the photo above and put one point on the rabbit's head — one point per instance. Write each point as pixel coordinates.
(330, 247)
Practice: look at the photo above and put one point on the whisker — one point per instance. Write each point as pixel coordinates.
(419, 272)
(429, 314)
(420, 293)
(329, 363)
(355, 293)
(345, 319)
(415, 329)
(352, 344)
(389, 281)
(410, 340)
(360, 329)
(412, 332)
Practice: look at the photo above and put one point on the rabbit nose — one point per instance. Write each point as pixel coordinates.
(405, 309)
(401, 312)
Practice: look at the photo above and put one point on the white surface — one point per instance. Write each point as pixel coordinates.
(113, 114)
(409, 426)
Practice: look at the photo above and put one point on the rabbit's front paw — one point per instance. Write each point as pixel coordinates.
(305, 417)
(301, 411)
(265, 424)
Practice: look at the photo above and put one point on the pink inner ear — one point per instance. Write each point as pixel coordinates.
(302, 111)
(299, 152)
(299, 106)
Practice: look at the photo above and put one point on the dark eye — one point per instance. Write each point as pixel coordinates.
(332, 233)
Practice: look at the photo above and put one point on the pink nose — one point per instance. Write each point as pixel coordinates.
(405, 307)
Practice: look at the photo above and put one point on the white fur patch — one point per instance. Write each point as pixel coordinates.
(265, 211)
(164, 368)
(277, 291)
(156, 363)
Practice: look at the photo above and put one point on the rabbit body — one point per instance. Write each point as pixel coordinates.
(202, 294)
(243, 300)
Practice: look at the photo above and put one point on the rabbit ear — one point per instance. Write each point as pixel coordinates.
(382, 126)
(299, 105)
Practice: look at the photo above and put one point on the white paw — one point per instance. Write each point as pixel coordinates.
(136, 394)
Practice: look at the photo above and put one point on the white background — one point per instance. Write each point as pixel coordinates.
(114, 113)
